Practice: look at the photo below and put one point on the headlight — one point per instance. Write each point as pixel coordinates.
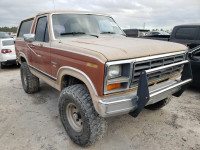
(117, 77)
(114, 71)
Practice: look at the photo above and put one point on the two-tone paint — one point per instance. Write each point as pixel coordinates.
(84, 58)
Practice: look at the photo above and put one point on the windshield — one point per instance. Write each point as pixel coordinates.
(4, 35)
(69, 25)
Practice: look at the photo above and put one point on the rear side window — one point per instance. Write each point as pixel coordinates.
(186, 33)
(25, 28)
(8, 43)
(41, 32)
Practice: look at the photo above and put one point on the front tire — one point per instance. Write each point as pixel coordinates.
(78, 116)
(159, 104)
(30, 82)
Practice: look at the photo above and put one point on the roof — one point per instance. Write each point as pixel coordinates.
(72, 12)
(194, 24)
(64, 11)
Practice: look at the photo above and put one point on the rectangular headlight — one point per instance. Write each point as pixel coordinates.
(114, 71)
(117, 77)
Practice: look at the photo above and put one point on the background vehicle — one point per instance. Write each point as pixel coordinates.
(157, 33)
(136, 32)
(141, 33)
(4, 35)
(7, 52)
(194, 58)
(99, 71)
(186, 34)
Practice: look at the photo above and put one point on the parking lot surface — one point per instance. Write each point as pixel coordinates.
(31, 122)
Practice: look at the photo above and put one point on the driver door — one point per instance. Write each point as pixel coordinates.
(41, 46)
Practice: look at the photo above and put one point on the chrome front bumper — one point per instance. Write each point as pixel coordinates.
(145, 95)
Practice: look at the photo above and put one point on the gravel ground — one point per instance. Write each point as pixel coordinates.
(31, 122)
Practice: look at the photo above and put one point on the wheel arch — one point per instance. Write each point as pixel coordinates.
(22, 58)
(78, 74)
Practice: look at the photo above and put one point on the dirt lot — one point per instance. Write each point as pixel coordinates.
(29, 122)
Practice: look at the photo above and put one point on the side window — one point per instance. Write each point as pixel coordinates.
(25, 28)
(41, 32)
(186, 33)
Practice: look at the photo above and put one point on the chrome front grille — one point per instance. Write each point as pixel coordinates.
(154, 63)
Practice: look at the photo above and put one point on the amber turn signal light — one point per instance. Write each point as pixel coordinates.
(113, 86)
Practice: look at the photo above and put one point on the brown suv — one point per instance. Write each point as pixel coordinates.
(99, 71)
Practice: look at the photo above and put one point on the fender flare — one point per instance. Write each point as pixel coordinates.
(67, 70)
(21, 54)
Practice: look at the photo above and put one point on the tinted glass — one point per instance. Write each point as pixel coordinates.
(8, 42)
(86, 24)
(186, 33)
(199, 35)
(41, 33)
(25, 28)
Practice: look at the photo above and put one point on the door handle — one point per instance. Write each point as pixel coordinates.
(32, 46)
(54, 63)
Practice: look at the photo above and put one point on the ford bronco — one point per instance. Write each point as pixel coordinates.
(99, 71)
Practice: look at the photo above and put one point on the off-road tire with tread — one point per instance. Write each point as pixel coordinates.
(159, 104)
(93, 127)
(29, 81)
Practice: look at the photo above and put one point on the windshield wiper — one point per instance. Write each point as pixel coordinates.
(75, 33)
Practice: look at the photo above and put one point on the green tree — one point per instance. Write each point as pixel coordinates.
(8, 29)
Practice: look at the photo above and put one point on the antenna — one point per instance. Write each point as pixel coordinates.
(144, 26)
(54, 5)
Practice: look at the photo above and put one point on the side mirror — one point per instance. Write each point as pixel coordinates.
(29, 37)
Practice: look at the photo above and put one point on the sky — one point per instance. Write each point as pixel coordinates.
(155, 14)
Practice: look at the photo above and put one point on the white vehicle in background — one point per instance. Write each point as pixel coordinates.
(4, 35)
(7, 52)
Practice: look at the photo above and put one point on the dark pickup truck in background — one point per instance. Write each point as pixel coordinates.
(190, 35)
(185, 34)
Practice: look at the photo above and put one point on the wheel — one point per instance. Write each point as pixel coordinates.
(30, 82)
(2, 65)
(159, 104)
(78, 116)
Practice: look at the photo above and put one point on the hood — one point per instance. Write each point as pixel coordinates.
(118, 48)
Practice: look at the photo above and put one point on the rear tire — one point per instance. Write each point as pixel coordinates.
(30, 82)
(159, 104)
(78, 116)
